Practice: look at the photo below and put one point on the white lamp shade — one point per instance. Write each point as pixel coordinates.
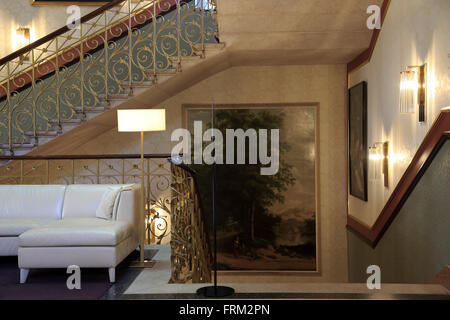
(136, 120)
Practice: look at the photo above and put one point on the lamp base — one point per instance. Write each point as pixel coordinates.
(215, 291)
(142, 264)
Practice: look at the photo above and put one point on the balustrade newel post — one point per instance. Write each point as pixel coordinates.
(33, 85)
(130, 50)
(8, 98)
(106, 58)
(155, 80)
(203, 28)
(82, 72)
(58, 87)
(178, 36)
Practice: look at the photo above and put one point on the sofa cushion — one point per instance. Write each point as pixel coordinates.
(106, 206)
(30, 201)
(82, 200)
(15, 227)
(77, 232)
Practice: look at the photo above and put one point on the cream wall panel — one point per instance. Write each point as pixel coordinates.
(40, 19)
(414, 32)
(325, 84)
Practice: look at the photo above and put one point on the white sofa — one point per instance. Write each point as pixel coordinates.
(55, 226)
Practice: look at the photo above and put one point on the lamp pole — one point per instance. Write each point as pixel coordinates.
(142, 251)
(214, 291)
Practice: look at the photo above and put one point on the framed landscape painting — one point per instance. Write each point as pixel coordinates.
(264, 222)
(357, 131)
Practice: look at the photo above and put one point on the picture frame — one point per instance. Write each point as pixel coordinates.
(293, 269)
(357, 140)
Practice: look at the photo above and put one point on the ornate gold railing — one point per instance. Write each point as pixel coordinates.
(174, 210)
(71, 72)
(191, 257)
(101, 169)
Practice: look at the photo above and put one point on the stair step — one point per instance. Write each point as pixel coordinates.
(92, 110)
(42, 133)
(44, 139)
(209, 46)
(17, 152)
(122, 96)
(168, 71)
(184, 60)
(145, 84)
(17, 145)
(162, 75)
(73, 120)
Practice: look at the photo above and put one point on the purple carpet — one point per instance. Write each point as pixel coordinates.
(50, 284)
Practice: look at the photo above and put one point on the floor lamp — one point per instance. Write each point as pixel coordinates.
(141, 120)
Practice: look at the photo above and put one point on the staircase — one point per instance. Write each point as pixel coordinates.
(72, 76)
(436, 137)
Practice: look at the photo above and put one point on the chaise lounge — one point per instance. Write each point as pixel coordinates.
(55, 226)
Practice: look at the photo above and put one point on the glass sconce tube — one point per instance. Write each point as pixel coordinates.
(374, 164)
(408, 91)
(379, 162)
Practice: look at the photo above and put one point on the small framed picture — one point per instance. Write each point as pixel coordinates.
(357, 133)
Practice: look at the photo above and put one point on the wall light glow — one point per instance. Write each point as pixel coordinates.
(408, 91)
(21, 37)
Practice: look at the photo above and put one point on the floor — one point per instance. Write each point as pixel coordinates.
(51, 284)
(136, 283)
(153, 284)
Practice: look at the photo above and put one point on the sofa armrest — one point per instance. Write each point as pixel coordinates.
(129, 208)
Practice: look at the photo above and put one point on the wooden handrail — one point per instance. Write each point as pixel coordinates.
(58, 32)
(87, 157)
(438, 134)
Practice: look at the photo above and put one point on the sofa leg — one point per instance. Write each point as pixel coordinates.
(112, 274)
(24, 275)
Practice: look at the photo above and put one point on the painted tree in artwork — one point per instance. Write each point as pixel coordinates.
(242, 192)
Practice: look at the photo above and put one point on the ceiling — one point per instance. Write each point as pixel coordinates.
(295, 31)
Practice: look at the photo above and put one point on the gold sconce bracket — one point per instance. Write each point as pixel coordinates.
(422, 90)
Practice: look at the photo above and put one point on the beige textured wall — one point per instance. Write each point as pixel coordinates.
(414, 32)
(40, 19)
(325, 84)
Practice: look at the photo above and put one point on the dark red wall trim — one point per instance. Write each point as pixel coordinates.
(431, 144)
(366, 55)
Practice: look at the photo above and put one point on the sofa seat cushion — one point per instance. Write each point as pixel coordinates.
(31, 201)
(15, 227)
(77, 232)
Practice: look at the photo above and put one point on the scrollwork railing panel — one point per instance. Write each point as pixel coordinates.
(119, 170)
(79, 69)
(191, 254)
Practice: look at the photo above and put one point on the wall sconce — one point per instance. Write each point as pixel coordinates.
(22, 39)
(413, 85)
(377, 154)
(375, 159)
